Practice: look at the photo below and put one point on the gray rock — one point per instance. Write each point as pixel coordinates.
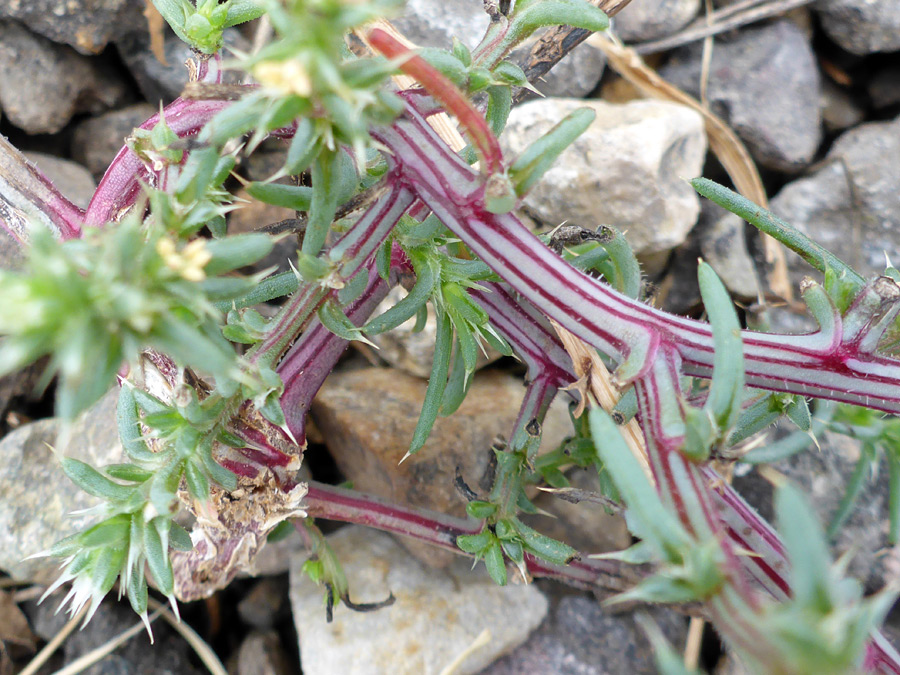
(822, 474)
(164, 81)
(86, 25)
(261, 605)
(862, 26)
(70, 178)
(852, 204)
(579, 637)
(261, 653)
(367, 418)
(43, 84)
(749, 78)
(723, 245)
(97, 140)
(653, 19)
(168, 655)
(19, 383)
(437, 615)
(884, 87)
(840, 110)
(575, 76)
(38, 498)
(434, 23)
(626, 170)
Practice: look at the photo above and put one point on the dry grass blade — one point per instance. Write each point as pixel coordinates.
(30, 593)
(483, 640)
(724, 143)
(721, 21)
(50, 648)
(594, 379)
(203, 650)
(85, 661)
(693, 643)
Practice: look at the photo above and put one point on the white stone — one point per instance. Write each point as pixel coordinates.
(628, 170)
(437, 615)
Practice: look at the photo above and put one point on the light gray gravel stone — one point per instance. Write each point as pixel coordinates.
(645, 20)
(851, 205)
(38, 498)
(86, 25)
(437, 614)
(627, 170)
(862, 26)
(42, 84)
(765, 83)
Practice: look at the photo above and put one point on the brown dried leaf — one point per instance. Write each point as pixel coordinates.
(596, 387)
(156, 28)
(15, 633)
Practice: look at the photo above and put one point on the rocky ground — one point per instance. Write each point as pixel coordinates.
(814, 95)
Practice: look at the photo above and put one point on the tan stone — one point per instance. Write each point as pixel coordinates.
(367, 418)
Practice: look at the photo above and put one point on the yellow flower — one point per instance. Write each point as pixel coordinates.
(189, 263)
(285, 77)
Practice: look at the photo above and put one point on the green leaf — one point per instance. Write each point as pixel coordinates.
(798, 413)
(498, 108)
(333, 318)
(481, 509)
(296, 197)
(767, 222)
(646, 512)
(726, 390)
(106, 567)
(474, 543)
(127, 472)
(461, 52)
(196, 175)
(112, 532)
(238, 250)
(543, 546)
(806, 548)
(540, 155)
(175, 12)
(222, 476)
(129, 426)
(241, 11)
(158, 557)
(853, 489)
(445, 62)
(436, 382)
(493, 561)
(304, 148)
(407, 307)
(457, 386)
(197, 483)
(179, 539)
(509, 73)
(575, 13)
(137, 592)
(334, 179)
(93, 482)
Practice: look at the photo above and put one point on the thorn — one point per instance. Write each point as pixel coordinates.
(173, 603)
